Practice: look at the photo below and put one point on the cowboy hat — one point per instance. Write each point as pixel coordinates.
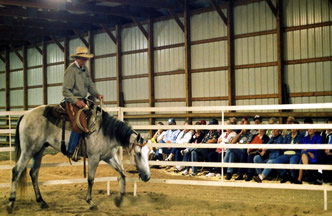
(82, 52)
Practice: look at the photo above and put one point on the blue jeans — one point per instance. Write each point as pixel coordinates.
(250, 159)
(214, 157)
(259, 159)
(73, 141)
(283, 159)
(198, 154)
(235, 155)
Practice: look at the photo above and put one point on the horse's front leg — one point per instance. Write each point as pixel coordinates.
(115, 163)
(93, 163)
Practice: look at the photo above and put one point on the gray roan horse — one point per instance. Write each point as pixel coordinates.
(34, 133)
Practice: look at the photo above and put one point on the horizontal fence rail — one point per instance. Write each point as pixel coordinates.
(222, 109)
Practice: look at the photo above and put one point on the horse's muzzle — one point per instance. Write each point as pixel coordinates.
(144, 177)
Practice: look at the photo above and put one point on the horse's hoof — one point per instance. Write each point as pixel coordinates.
(93, 207)
(44, 205)
(118, 201)
(9, 208)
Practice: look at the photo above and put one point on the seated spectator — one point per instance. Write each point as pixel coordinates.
(196, 138)
(269, 131)
(233, 121)
(289, 156)
(238, 155)
(309, 156)
(215, 156)
(257, 120)
(201, 154)
(155, 139)
(267, 155)
(184, 137)
(326, 156)
(170, 137)
(290, 120)
(260, 138)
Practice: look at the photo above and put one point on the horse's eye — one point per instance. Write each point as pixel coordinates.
(139, 154)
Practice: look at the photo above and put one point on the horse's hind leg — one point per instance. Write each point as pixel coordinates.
(34, 172)
(18, 177)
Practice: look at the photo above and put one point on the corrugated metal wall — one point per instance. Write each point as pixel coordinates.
(34, 77)
(252, 50)
(308, 43)
(167, 60)
(254, 17)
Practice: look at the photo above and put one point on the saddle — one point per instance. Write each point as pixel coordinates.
(71, 117)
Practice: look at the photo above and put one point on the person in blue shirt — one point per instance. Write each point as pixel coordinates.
(268, 155)
(309, 156)
(325, 156)
(288, 156)
(170, 137)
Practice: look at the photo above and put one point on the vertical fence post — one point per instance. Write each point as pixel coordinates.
(10, 140)
(135, 188)
(325, 200)
(108, 188)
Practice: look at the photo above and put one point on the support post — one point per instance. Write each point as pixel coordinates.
(230, 55)
(151, 70)
(118, 65)
(66, 53)
(280, 54)
(7, 69)
(91, 50)
(25, 79)
(187, 53)
(44, 69)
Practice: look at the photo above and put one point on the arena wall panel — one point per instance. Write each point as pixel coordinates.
(108, 88)
(304, 12)
(136, 89)
(16, 79)
(104, 44)
(133, 39)
(54, 95)
(34, 57)
(264, 101)
(207, 25)
(256, 81)
(308, 43)
(54, 53)
(137, 121)
(253, 17)
(2, 100)
(14, 61)
(209, 55)
(134, 64)
(16, 98)
(172, 86)
(34, 77)
(55, 74)
(209, 84)
(105, 67)
(167, 33)
(259, 49)
(35, 96)
(309, 77)
(170, 104)
(169, 59)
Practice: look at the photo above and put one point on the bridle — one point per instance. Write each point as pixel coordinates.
(138, 143)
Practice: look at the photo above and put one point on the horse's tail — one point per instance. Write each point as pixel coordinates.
(22, 181)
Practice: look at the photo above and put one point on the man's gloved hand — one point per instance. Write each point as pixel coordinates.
(80, 104)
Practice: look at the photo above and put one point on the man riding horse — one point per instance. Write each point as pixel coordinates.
(76, 85)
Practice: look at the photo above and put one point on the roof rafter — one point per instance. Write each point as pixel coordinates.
(109, 33)
(57, 42)
(147, 3)
(65, 6)
(272, 7)
(37, 47)
(140, 26)
(176, 18)
(86, 43)
(16, 52)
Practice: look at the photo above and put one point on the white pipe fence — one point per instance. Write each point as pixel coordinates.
(222, 109)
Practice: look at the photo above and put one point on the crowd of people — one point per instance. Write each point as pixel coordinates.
(249, 155)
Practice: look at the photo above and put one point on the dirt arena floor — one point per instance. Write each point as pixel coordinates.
(158, 199)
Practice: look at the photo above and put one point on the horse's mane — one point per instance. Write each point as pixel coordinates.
(114, 128)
